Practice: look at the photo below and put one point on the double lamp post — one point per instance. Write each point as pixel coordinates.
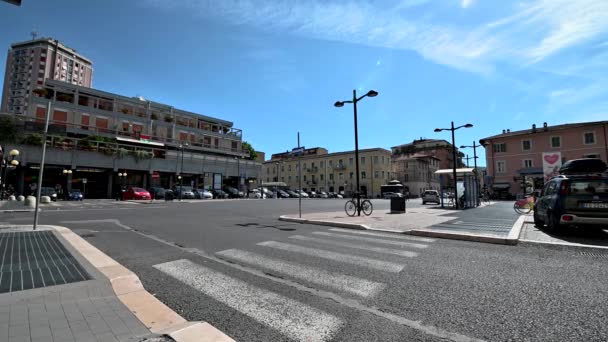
(453, 129)
(7, 162)
(371, 93)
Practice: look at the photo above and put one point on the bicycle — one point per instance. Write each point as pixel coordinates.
(351, 207)
(524, 205)
(485, 198)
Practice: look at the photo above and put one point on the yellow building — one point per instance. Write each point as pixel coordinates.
(331, 172)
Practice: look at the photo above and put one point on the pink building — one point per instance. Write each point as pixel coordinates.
(519, 162)
(29, 63)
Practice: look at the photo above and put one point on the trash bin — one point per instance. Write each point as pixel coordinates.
(397, 205)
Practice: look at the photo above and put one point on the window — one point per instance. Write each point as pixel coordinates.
(322, 164)
(501, 166)
(351, 175)
(526, 145)
(527, 163)
(304, 178)
(331, 163)
(288, 167)
(591, 155)
(363, 160)
(340, 176)
(363, 175)
(282, 168)
(331, 176)
(321, 177)
(304, 166)
(289, 178)
(500, 147)
(376, 159)
(376, 174)
(556, 142)
(589, 138)
(350, 161)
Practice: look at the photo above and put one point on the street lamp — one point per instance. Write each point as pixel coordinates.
(474, 146)
(371, 93)
(9, 162)
(179, 177)
(452, 129)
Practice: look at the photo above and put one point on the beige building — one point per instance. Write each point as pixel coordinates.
(332, 172)
(417, 173)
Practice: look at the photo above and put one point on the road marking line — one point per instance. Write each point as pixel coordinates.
(342, 282)
(345, 258)
(291, 318)
(398, 252)
(397, 236)
(369, 239)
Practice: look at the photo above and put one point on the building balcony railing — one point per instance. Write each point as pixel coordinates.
(28, 125)
(340, 167)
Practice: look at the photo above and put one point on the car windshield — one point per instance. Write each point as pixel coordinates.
(139, 190)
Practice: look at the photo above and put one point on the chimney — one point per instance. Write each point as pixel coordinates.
(545, 126)
(504, 131)
(533, 128)
(508, 130)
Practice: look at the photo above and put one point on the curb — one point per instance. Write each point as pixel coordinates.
(325, 223)
(155, 315)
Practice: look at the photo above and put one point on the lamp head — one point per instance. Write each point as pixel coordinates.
(14, 162)
(468, 125)
(438, 130)
(14, 153)
(372, 93)
(339, 104)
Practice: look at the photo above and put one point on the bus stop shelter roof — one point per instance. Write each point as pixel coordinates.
(466, 171)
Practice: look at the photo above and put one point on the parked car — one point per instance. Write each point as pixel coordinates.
(389, 195)
(431, 196)
(293, 194)
(233, 192)
(282, 194)
(157, 192)
(202, 194)
(133, 193)
(579, 198)
(75, 195)
(312, 194)
(302, 194)
(49, 191)
(323, 194)
(186, 192)
(339, 196)
(255, 193)
(267, 193)
(217, 193)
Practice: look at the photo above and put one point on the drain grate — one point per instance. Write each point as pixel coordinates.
(594, 254)
(36, 259)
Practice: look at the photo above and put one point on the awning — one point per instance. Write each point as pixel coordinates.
(459, 172)
(531, 171)
(140, 141)
(501, 186)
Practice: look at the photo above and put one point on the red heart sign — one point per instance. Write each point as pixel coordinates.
(552, 158)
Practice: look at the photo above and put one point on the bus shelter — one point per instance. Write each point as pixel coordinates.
(466, 183)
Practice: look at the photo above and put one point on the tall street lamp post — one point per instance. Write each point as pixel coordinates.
(453, 129)
(474, 146)
(6, 163)
(122, 176)
(179, 176)
(371, 93)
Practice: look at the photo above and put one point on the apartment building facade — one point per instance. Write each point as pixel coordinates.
(331, 172)
(99, 135)
(417, 173)
(518, 162)
(30, 63)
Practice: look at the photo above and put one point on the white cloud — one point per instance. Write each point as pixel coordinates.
(466, 3)
(531, 32)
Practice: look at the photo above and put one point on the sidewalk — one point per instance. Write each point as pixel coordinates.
(494, 223)
(55, 286)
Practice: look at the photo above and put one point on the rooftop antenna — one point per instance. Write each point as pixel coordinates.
(34, 34)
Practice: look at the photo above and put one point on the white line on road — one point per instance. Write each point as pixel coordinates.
(369, 239)
(397, 236)
(398, 252)
(345, 258)
(342, 282)
(292, 318)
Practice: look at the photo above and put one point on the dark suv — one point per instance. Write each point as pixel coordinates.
(578, 199)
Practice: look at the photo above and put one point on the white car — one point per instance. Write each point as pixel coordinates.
(302, 194)
(204, 194)
(255, 193)
(430, 196)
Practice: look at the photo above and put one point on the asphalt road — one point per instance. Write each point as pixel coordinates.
(234, 265)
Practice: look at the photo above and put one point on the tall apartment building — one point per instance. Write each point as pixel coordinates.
(333, 172)
(519, 162)
(31, 62)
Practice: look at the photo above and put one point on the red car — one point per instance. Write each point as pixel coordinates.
(135, 194)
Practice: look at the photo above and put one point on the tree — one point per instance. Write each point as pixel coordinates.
(8, 130)
(252, 153)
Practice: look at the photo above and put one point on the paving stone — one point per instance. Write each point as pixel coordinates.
(62, 334)
(19, 339)
(58, 324)
(19, 330)
(106, 337)
(40, 331)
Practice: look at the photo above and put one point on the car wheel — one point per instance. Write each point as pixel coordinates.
(423, 202)
(537, 221)
(553, 224)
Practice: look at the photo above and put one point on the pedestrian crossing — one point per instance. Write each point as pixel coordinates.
(86, 204)
(348, 263)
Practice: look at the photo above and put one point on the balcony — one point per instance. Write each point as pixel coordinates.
(340, 167)
(312, 169)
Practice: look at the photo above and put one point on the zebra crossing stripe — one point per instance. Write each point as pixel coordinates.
(376, 264)
(293, 319)
(342, 282)
(387, 235)
(398, 252)
(375, 240)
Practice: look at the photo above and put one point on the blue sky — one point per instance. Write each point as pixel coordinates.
(276, 67)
